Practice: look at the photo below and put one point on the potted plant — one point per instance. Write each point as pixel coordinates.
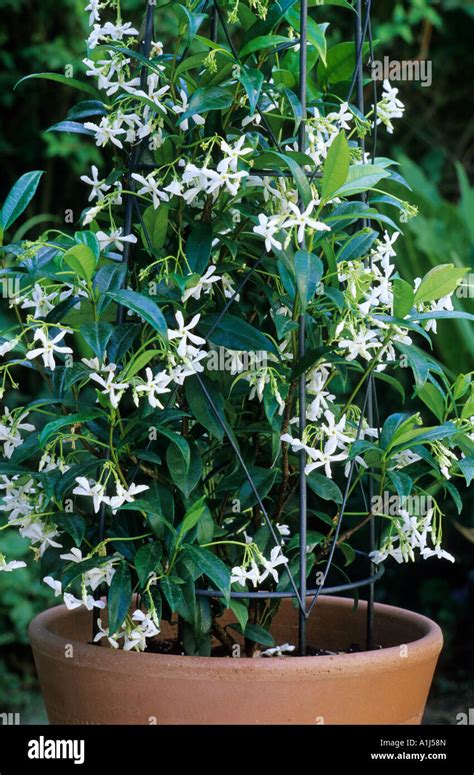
(207, 346)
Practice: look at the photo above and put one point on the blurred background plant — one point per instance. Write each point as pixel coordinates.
(434, 145)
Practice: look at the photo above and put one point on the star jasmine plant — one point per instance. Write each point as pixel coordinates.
(124, 470)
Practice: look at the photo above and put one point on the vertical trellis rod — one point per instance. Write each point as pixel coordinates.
(303, 517)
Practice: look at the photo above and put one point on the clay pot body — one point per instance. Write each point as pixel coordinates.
(98, 685)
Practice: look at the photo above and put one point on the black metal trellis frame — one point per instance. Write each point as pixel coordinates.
(369, 408)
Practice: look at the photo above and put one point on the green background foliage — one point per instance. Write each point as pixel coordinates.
(435, 146)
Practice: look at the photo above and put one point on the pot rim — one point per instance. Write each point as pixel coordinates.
(429, 644)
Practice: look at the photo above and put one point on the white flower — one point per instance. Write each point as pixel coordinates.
(183, 333)
(278, 651)
(150, 186)
(50, 346)
(7, 567)
(284, 530)
(7, 346)
(114, 390)
(335, 430)
(204, 285)
(233, 154)
(240, 575)
(42, 535)
(322, 397)
(184, 124)
(155, 386)
(360, 344)
(384, 251)
(75, 555)
(10, 428)
(88, 601)
(266, 228)
(106, 132)
(441, 554)
(110, 30)
(276, 558)
(218, 178)
(115, 238)
(324, 458)
(54, 584)
(341, 117)
(303, 220)
(104, 633)
(93, 7)
(389, 107)
(126, 495)
(40, 301)
(96, 491)
(99, 187)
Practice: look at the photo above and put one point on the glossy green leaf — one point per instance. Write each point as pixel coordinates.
(19, 197)
(438, 282)
(143, 306)
(336, 166)
(147, 560)
(120, 597)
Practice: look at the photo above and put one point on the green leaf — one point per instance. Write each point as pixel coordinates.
(192, 516)
(120, 597)
(88, 238)
(252, 81)
(179, 441)
(380, 375)
(97, 336)
(361, 177)
(241, 612)
(19, 197)
(440, 281)
(403, 297)
(121, 340)
(357, 245)
(53, 427)
(236, 334)
(71, 126)
(211, 566)
(263, 42)
(155, 226)
(340, 62)
(208, 98)
(199, 405)
(81, 260)
(74, 524)
(144, 306)
(198, 247)
(423, 435)
(314, 32)
(392, 425)
(324, 487)
(419, 364)
(255, 633)
(309, 270)
(466, 464)
(433, 398)
(72, 82)
(147, 560)
(139, 362)
(185, 477)
(336, 166)
(173, 594)
(108, 278)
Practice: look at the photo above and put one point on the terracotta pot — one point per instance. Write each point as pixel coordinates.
(104, 686)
